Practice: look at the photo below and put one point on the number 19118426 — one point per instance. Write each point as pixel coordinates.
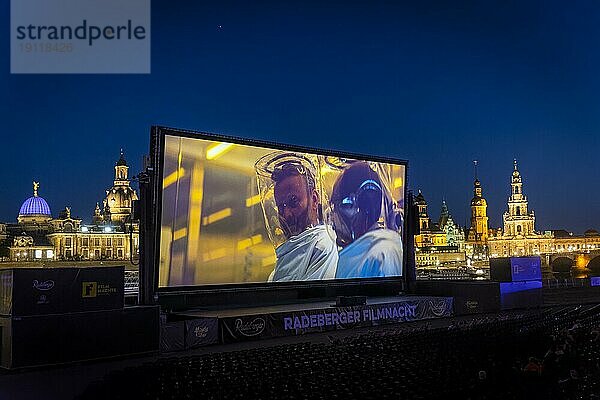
(46, 47)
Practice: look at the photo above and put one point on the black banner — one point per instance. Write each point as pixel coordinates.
(42, 291)
(96, 288)
(470, 297)
(172, 336)
(319, 320)
(242, 328)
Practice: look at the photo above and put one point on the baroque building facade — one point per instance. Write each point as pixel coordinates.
(518, 237)
(112, 235)
(440, 243)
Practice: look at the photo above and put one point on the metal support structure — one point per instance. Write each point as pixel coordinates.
(146, 267)
(411, 227)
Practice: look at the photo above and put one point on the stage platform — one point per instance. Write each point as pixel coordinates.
(230, 325)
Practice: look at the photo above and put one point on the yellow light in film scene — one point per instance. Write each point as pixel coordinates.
(251, 241)
(173, 177)
(180, 234)
(217, 216)
(218, 150)
(397, 182)
(252, 201)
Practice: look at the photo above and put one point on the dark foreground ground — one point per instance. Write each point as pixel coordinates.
(550, 353)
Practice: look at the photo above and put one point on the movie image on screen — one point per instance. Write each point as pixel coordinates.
(234, 214)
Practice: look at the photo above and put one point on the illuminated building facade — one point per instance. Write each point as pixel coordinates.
(119, 198)
(38, 236)
(518, 236)
(441, 243)
(568, 242)
(477, 238)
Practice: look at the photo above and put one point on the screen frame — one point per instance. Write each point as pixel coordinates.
(157, 153)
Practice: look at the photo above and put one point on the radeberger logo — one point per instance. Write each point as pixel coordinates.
(45, 285)
(256, 327)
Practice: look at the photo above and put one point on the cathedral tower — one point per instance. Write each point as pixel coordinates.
(517, 220)
(478, 233)
(424, 221)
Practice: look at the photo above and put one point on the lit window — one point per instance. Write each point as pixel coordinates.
(38, 254)
(49, 253)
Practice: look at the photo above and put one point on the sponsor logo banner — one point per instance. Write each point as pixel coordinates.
(201, 332)
(300, 322)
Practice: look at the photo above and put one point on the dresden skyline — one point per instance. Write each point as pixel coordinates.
(439, 85)
(433, 209)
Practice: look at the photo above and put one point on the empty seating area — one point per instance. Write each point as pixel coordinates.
(551, 353)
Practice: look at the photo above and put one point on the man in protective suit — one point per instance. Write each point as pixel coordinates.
(309, 252)
(358, 201)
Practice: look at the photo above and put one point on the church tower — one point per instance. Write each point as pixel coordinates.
(121, 171)
(119, 199)
(424, 221)
(478, 233)
(517, 220)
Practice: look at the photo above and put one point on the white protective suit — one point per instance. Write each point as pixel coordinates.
(377, 253)
(310, 255)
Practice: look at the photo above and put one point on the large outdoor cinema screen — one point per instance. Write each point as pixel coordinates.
(235, 212)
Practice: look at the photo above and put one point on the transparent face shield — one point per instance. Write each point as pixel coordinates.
(361, 199)
(290, 194)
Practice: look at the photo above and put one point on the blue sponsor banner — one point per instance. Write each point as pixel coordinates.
(515, 287)
(595, 281)
(526, 268)
(526, 294)
(326, 319)
(296, 323)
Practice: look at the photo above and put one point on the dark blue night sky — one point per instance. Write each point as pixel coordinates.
(437, 84)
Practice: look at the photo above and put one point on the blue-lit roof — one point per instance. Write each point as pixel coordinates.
(35, 205)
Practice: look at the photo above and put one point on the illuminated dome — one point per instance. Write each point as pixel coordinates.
(35, 205)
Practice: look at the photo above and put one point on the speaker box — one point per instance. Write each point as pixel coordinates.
(61, 338)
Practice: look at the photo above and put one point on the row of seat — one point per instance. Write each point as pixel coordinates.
(481, 357)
